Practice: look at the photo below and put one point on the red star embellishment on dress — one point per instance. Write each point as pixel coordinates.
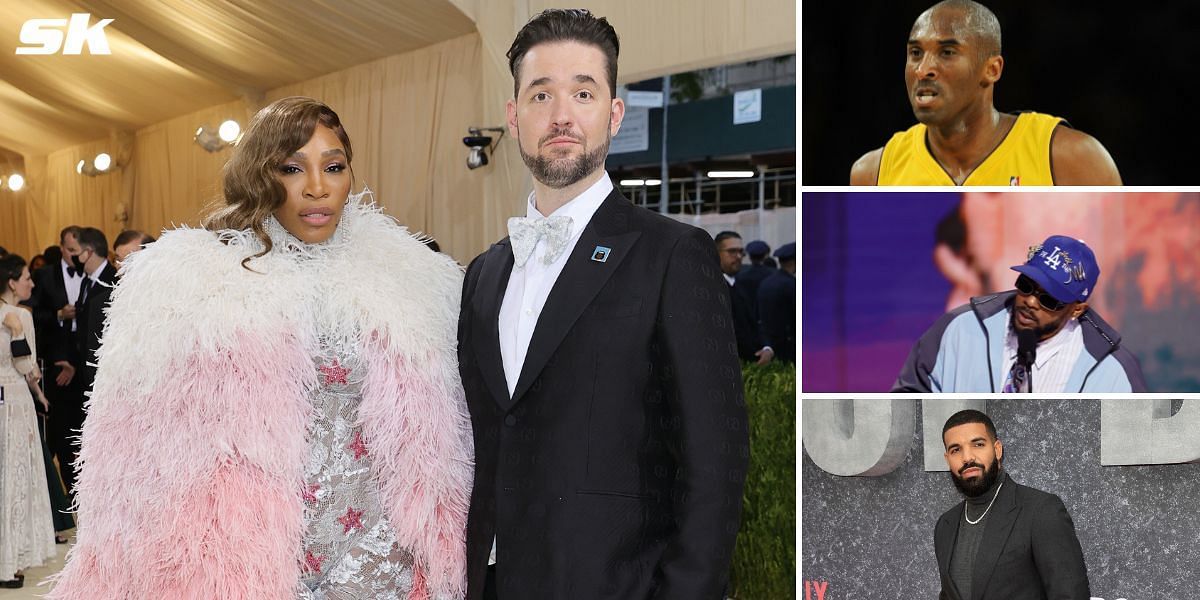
(359, 448)
(351, 520)
(334, 373)
(313, 561)
(310, 493)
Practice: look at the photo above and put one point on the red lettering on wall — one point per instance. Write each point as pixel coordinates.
(819, 587)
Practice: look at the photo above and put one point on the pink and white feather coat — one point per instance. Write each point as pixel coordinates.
(194, 447)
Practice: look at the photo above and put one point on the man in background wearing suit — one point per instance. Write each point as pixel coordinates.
(100, 276)
(1006, 541)
(752, 345)
(55, 293)
(598, 360)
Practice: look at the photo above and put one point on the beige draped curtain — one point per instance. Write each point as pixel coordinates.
(406, 115)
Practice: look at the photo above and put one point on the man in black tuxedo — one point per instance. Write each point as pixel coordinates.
(599, 362)
(1005, 541)
(752, 345)
(55, 293)
(777, 305)
(100, 277)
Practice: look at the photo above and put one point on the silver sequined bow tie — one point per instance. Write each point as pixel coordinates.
(524, 233)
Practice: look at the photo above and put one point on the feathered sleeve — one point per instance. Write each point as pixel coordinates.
(188, 480)
(416, 422)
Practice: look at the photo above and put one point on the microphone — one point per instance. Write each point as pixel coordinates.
(1027, 341)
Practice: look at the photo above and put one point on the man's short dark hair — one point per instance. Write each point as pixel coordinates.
(69, 229)
(130, 235)
(969, 415)
(724, 235)
(566, 25)
(93, 239)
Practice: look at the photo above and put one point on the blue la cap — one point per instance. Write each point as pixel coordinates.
(1065, 267)
(757, 248)
(786, 251)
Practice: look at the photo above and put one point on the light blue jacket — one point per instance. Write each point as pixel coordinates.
(964, 352)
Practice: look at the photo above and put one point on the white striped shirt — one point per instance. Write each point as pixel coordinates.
(1056, 358)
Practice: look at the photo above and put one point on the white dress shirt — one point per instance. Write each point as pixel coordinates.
(1056, 358)
(530, 285)
(71, 283)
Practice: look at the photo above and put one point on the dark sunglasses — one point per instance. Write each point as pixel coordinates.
(1027, 286)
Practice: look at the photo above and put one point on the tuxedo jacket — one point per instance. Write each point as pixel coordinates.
(90, 317)
(1029, 550)
(55, 341)
(616, 468)
(747, 327)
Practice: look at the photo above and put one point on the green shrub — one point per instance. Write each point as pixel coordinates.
(764, 561)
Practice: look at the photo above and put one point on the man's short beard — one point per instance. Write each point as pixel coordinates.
(974, 487)
(1051, 328)
(560, 173)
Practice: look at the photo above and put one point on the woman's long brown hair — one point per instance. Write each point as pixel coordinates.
(252, 191)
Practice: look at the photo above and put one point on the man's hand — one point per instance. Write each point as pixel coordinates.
(66, 374)
(13, 323)
(765, 355)
(66, 312)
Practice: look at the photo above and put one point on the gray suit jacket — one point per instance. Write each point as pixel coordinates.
(1028, 552)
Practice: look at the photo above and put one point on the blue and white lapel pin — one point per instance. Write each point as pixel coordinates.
(600, 254)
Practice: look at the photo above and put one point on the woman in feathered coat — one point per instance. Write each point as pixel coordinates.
(277, 412)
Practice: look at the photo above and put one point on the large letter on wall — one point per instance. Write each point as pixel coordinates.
(934, 413)
(1143, 432)
(858, 437)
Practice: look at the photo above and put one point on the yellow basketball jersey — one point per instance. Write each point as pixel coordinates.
(1022, 158)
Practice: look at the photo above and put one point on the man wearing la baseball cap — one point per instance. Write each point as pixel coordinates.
(1041, 337)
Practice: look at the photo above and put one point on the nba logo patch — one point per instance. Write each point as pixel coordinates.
(600, 254)
(1014, 180)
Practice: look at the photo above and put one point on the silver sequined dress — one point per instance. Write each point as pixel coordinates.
(349, 547)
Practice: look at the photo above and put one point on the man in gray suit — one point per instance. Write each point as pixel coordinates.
(1006, 541)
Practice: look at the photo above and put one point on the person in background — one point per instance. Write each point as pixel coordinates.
(777, 304)
(128, 242)
(26, 526)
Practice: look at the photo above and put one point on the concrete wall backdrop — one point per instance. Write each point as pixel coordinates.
(871, 538)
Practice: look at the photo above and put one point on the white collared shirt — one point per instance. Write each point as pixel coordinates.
(1056, 358)
(95, 275)
(71, 283)
(530, 285)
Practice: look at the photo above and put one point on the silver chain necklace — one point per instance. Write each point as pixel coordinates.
(985, 511)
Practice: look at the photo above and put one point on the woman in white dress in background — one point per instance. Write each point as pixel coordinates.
(26, 524)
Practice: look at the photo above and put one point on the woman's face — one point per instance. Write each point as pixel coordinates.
(317, 180)
(23, 287)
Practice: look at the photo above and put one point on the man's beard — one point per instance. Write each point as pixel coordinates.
(558, 173)
(1042, 331)
(974, 487)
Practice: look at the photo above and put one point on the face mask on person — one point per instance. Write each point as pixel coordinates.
(77, 261)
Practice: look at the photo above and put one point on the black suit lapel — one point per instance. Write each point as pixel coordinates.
(581, 279)
(489, 294)
(998, 527)
(943, 545)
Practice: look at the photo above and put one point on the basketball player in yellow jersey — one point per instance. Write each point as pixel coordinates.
(953, 65)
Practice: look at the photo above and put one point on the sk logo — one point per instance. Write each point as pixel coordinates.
(1014, 180)
(48, 33)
